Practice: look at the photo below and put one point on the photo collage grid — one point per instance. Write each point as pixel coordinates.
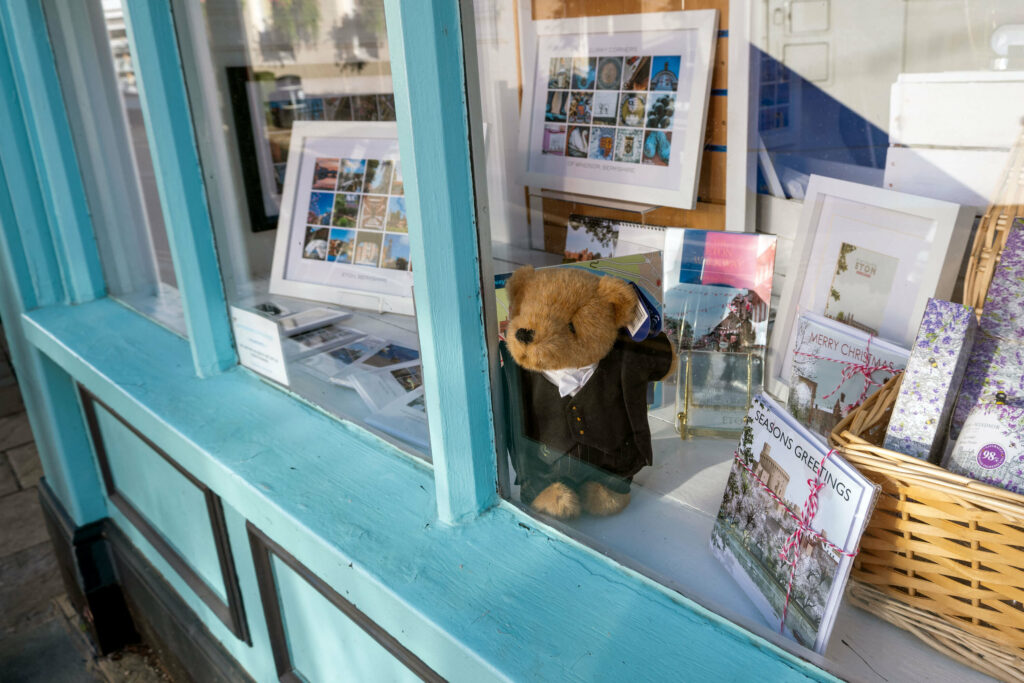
(281, 114)
(357, 214)
(618, 109)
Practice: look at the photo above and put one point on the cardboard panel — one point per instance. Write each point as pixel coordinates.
(720, 76)
(712, 178)
(716, 128)
(721, 5)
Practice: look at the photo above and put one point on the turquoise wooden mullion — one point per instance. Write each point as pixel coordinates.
(425, 40)
(49, 135)
(47, 392)
(165, 109)
(28, 227)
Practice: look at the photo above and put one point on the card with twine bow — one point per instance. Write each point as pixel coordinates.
(790, 523)
(835, 367)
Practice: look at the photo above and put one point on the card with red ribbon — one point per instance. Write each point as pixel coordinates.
(790, 523)
(835, 367)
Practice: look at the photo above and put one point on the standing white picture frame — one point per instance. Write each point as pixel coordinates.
(346, 243)
(651, 158)
(920, 240)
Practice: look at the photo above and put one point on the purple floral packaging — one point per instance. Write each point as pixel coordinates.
(997, 360)
(1003, 313)
(991, 447)
(936, 367)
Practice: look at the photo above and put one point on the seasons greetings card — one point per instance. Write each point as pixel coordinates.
(794, 571)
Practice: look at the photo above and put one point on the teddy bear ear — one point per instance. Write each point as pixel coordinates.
(516, 287)
(621, 295)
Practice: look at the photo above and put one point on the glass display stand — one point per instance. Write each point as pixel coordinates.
(714, 389)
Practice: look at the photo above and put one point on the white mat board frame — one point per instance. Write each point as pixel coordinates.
(684, 193)
(400, 301)
(943, 243)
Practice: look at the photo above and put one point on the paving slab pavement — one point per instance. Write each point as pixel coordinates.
(42, 639)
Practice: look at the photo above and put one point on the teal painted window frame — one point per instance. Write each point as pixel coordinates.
(417, 534)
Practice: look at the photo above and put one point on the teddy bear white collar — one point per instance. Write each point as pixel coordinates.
(570, 380)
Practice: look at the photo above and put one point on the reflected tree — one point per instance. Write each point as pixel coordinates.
(291, 23)
(361, 35)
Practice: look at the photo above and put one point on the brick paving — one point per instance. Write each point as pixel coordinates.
(29, 579)
(41, 638)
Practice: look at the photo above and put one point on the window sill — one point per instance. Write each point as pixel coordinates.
(500, 595)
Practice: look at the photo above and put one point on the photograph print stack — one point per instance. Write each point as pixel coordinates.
(357, 214)
(618, 109)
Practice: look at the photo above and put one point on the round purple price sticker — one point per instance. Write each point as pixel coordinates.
(991, 456)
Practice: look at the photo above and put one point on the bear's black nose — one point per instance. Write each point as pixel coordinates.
(525, 336)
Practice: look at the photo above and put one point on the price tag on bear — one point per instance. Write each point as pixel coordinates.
(646, 320)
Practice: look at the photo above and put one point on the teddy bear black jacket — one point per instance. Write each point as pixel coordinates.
(601, 434)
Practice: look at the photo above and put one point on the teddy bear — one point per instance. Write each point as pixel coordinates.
(576, 390)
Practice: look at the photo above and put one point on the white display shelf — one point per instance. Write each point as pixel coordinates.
(665, 534)
(665, 531)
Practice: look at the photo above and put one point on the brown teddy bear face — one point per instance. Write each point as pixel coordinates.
(565, 317)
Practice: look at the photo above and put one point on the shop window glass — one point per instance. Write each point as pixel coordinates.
(606, 133)
(97, 75)
(823, 97)
(296, 124)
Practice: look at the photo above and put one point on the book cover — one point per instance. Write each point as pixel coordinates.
(718, 286)
(998, 354)
(389, 355)
(990, 447)
(303, 321)
(1004, 302)
(379, 388)
(755, 536)
(835, 367)
(334, 362)
(318, 339)
(932, 380)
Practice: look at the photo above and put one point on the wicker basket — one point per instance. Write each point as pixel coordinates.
(943, 555)
(994, 228)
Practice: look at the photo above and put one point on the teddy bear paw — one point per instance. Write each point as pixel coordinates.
(557, 500)
(601, 501)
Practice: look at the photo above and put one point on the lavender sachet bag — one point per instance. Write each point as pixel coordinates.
(934, 372)
(996, 364)
(991, 446)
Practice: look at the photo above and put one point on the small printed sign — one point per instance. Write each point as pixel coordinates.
(259, 344)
